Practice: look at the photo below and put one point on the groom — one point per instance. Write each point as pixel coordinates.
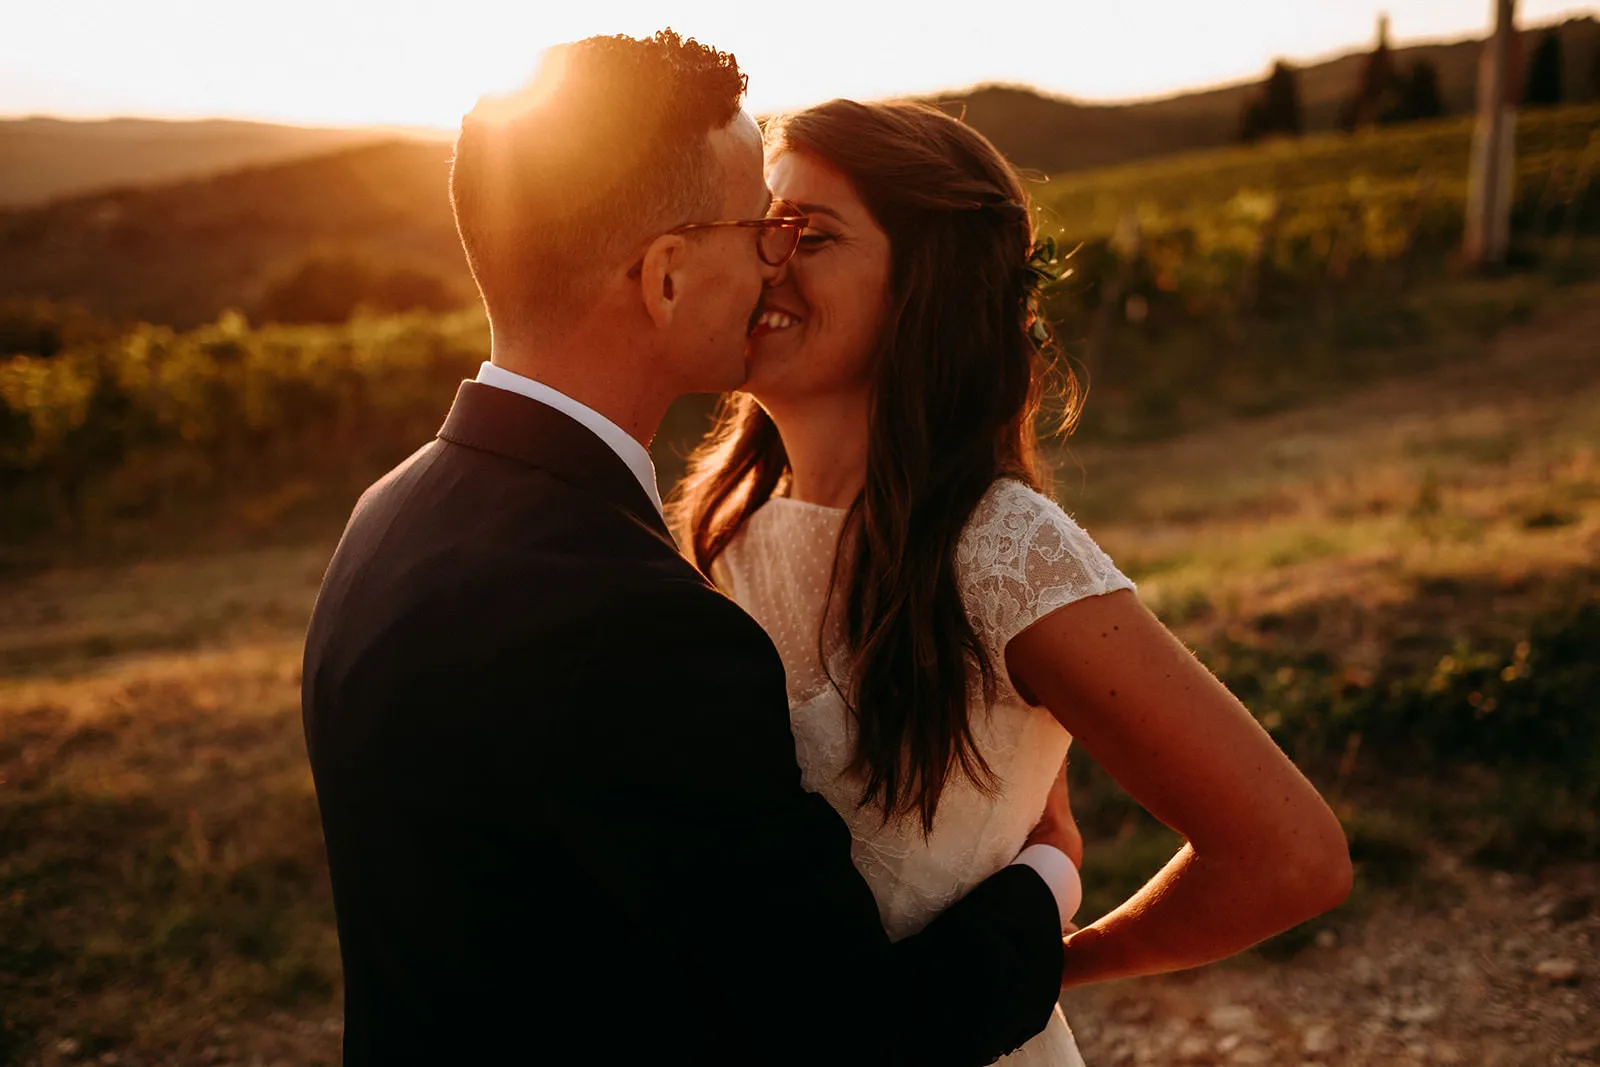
(557, 784)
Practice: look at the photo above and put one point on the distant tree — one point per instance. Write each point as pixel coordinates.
(1544, 72)
(1379, 88)
(1283, 100)
(406, 288)
(27, 330)
(330, 288)
(43, 328)
(1419, 95)
(1274, 108)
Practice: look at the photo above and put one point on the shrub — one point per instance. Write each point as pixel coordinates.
(330, 288)
(43, 328)
(127, 424)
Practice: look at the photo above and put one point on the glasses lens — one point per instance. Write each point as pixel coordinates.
(778, 242)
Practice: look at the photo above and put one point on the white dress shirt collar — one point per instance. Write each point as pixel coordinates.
(629, 450)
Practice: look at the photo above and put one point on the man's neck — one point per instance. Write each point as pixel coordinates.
(596, 375)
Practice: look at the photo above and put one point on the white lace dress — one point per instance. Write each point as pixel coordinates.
(1019, 558)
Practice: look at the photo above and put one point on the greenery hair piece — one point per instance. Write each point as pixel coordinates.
(1039, 273)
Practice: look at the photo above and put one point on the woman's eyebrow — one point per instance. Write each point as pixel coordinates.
(820, 209)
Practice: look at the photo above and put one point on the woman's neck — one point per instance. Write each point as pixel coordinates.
(827, 447)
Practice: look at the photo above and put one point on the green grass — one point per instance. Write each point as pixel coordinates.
(1243, 281)
(161, 864)
(1219, 189)
(1190, 364)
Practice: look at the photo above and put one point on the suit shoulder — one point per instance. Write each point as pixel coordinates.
(677, 603)
(399, 475)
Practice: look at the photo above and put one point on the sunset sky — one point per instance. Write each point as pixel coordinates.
(339, 62)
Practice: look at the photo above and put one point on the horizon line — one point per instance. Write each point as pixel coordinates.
(427, 131)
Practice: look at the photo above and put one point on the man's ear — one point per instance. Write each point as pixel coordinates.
(662, 277)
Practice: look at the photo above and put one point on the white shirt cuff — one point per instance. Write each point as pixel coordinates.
(1059, 874)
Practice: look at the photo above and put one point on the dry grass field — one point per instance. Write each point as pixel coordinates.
(163, 897)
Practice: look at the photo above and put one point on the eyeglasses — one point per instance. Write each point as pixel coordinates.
(777, 235)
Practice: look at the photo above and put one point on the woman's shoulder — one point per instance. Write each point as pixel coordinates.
(1022, 556)
(1013, 516)
(1010, 498)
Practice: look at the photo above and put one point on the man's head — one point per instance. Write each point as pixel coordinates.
(565, 191)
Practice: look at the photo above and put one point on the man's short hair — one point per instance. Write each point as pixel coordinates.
(603, 149)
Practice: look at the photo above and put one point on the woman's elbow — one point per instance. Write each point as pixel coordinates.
(1321, 877)
(1335, 879)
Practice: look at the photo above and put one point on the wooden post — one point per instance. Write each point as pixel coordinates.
(1494, 144)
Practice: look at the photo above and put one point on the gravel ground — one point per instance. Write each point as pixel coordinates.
(1495, 969)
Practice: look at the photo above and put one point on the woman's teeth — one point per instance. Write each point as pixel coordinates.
(776, 320)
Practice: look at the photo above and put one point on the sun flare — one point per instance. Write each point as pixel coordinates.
(406, 62)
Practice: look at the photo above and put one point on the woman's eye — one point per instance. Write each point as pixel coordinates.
(814, 239)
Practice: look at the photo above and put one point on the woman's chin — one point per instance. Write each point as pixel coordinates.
(766, 340)
(765, 348)
(779, 361)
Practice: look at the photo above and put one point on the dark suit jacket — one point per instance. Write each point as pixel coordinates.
(563, 815)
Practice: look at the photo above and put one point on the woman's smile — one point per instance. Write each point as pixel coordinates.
(772, 320)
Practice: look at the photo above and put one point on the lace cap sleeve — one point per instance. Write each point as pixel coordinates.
(1021, 557)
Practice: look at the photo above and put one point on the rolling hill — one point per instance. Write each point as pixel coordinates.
(1054, 135)
(43, 159)
(179, 253)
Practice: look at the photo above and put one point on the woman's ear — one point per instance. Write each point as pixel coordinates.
(661, 278)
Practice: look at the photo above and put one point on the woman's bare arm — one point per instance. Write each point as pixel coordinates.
(1263, 851)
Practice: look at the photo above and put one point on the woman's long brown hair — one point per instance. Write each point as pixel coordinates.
(956, 388)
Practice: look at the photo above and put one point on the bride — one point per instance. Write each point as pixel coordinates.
(874, 500)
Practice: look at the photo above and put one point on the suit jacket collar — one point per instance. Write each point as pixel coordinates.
(521, 428)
